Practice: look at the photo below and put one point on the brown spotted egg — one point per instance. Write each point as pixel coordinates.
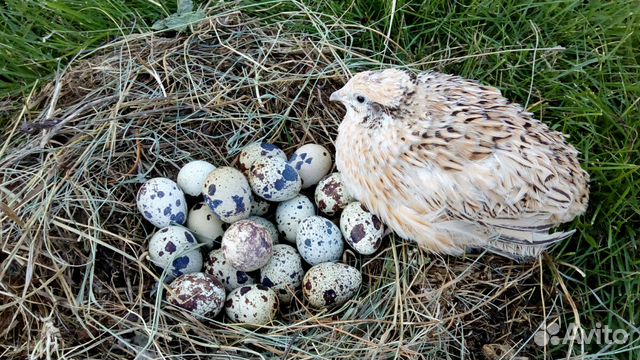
(312, 162)
(247, 245)
(273, 179)
(192, 175)
(319, 240)
(289, 214)
(229, 276)
(251, 305)
(273, 231)
(330, 284)
(173, 247)
(205, 225)
(283, 273)
(331, 194)
(361, 229)
(228, 194)
(161, 202)
(202, 294)
(252, 152)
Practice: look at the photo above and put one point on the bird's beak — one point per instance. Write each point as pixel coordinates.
(336, 96)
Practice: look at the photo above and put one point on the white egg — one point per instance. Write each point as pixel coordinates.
(283, 273)
(289, 214)
(247, 245)
(173, 247)
(273, 231)
(361, 229)
(252, 305)
(205, 225)
(228, 194)
(254, 151)
(161, 202)
(330, 284)
(319, 240)
(232, 278)
(273, 179)
(331, 195)
(312, 162)
(202, 294)
(192, 176)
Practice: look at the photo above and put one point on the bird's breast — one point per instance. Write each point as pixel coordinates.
(351, 158)
(366, 165)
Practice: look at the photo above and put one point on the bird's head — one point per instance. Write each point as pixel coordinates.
(373, 92)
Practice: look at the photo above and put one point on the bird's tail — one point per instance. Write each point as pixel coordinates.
(520, 240)
(522, 245)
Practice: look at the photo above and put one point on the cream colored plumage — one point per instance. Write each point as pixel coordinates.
(453, 165)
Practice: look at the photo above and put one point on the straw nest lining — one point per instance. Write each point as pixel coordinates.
(75, 279)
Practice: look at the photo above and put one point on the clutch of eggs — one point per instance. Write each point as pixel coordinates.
(225, 252)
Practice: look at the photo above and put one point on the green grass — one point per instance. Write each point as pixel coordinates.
(38, 36)
(589, 88)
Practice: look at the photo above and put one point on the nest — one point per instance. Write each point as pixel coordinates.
(76, 282)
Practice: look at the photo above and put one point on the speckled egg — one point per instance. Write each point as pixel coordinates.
(273, 231)
(259, 207)
(273, 179)
(228, 194)
(319, 240)
(283, 273)
(312, 162)
(252, 152)
(331, 194)
(202, 294)
(192, 176)
(251, 305)
(229, 276)
(330, 284)
(361, 229)
(161, 202)
(247, 245)
(289, 214)
(173, 246)
(205, 225)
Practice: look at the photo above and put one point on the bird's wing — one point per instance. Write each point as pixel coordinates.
(484, 159)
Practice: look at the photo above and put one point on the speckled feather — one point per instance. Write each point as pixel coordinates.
(452, 164)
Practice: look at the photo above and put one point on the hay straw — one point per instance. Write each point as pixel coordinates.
(75, 279)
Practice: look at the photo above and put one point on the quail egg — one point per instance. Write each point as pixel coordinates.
(252, 305)
(252, 152)
(283, 273)
(201, 294)
(312, 162)
(361, 229)
(247, 245)
(267, 224)
(192, 176)
(259, 206)
(174, 247)
(205, 225)
(289, 214)
(273, 179)
(161, 202)
(330, 284)
(228, 194)
(331, 194)
(229, 276)
(319, 240)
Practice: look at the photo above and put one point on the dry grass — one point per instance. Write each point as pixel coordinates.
(75, 279)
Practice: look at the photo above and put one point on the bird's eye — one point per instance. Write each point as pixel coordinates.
(360, 99)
